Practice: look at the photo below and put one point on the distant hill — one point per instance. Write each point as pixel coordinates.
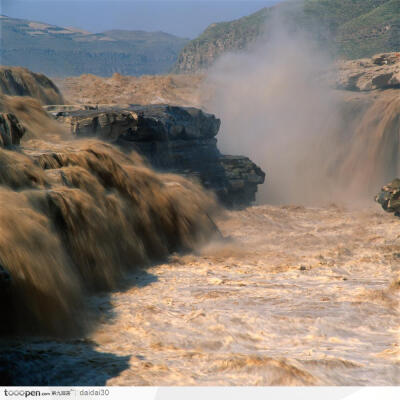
(349, 28)
(60, 52)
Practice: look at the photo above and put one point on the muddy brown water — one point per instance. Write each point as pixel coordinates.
(295, 296)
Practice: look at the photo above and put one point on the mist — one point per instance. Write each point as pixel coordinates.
(277, 108)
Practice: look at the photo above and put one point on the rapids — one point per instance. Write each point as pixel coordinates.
(287, 295)
(75, 215)
(293, 296)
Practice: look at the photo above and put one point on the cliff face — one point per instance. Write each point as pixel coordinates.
(17, 81)
(349, 28)
(220, 38)
(173, 139)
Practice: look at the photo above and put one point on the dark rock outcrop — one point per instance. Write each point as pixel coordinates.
(244, 176)
(11, 131)
(174, 139)
(389, 197)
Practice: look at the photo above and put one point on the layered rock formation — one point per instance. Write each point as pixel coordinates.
(17, 81)
(174, 139)
(379, 72)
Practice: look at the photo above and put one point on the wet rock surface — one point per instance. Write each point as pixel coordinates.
(174, 139)
(389, 197)
(244, 176)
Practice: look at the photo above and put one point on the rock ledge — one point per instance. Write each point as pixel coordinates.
(173, 139)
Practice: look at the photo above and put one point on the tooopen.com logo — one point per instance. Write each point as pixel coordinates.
(21, 393)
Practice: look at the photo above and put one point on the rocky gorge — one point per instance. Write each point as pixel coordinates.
(266, 295)
(83, 208)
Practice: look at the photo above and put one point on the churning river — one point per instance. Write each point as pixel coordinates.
(292, 296)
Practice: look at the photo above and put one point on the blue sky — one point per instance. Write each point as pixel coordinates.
(186, 18)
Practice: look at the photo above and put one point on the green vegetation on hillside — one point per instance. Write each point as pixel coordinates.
(350, 28)
(372, 32)
(334, 13)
